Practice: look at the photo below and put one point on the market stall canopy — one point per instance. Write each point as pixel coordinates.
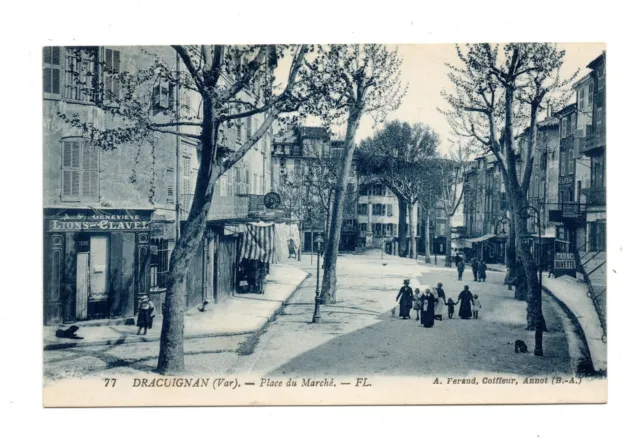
(259, 242)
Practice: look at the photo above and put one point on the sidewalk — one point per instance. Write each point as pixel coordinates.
(573, 296)
(239, 314)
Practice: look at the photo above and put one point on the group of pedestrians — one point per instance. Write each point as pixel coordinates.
(429, 304)
(478, 267)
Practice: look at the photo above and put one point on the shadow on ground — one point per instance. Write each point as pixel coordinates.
(452, 347)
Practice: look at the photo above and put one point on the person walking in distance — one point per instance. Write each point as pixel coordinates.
(440, 304)
(405, 296)
(482, 271)
(428, 307)
(465, 298)
(460, 267)
(474, 269)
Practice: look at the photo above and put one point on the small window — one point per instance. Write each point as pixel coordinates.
(79, 171)
(51, 72)
(161, 94)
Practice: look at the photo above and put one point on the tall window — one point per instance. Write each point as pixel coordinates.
(159, 262)
(186, 175)
(597, 236)
(170, 186)
(79, 171)
(363, 226)
(51, 72)
(564, 127)
(363, 209)
(81, 74)
(378, 209)
(590, 96)
(599, 118)
(111, 70)
(581, 99)
(597, 171)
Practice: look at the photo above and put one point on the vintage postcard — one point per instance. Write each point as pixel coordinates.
(324, 224)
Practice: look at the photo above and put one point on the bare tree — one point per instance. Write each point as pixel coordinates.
(232, 83)
(453, 187)
(498, 88)
(359, 80)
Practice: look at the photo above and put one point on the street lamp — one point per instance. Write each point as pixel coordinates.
(504, 221)
(316, 312)
(525, 214)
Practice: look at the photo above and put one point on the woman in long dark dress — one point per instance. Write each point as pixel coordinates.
(465, 298)
(406, 300)
(428, 306)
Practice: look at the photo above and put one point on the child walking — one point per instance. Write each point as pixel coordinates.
(475, 306)
(451, 307)
(417, 303)
(145, 314)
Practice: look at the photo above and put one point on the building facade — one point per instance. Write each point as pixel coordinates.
(378, 218)
(109, 215)
(112, 216)
(305, 165)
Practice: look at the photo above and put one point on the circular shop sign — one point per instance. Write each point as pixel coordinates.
(272, 200)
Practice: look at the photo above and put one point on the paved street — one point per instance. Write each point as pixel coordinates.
(357, 335)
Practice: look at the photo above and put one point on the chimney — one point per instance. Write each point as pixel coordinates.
(549, 110)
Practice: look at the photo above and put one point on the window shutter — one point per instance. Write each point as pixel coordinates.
(89, 171)
(51, 70)
(75, 183)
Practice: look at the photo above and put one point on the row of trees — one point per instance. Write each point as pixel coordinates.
(494, 88)
(405, 158)
(499, 92)
(337, 83)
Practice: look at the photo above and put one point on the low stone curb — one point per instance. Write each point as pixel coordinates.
(582, 364)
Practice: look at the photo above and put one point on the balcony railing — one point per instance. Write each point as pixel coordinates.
(567, 211)
(222, 207)
(595, 140)
(596, 196)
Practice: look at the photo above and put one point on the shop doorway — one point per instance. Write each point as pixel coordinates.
(82, 285)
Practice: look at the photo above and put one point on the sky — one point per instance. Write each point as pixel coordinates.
(425, 73)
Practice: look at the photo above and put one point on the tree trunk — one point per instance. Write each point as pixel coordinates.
(402, 227)
(171, 356)
(329, 280)
(510, 255)
(427, 239)
(412, 234)
(447, 247)
(529, 267)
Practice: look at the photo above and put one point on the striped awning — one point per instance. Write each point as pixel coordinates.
(259, 242)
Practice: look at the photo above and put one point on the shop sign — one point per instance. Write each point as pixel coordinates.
(564, 263)
(565, 180)
(98, 222)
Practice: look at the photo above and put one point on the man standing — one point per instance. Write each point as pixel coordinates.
(460, 267)
(474, 269)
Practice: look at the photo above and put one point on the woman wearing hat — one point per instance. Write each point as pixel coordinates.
(145, 314)
(405, 295)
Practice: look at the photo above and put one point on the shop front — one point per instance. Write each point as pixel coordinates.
(97, 263)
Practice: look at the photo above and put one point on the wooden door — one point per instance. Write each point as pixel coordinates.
(82, 285)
